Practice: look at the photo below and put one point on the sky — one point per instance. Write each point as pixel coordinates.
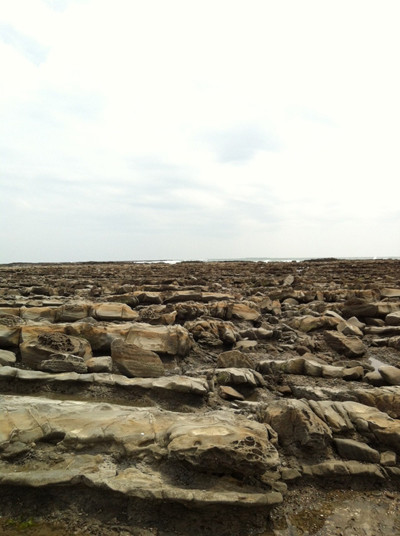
(199, 129)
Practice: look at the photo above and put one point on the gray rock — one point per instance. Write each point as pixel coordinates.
(355, 450)
(393, 319)
(100, 364)
(63, 363)
(390, 374)
(7, 357)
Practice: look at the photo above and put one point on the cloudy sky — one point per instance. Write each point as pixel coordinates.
(197, 129)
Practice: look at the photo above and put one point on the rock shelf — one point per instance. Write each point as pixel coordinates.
(218, 389)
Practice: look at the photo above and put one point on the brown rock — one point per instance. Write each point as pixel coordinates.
(225, 391)
(349, 346)
(234, 358)
(390, 374)
(33, 352)
(172, 340)
(134, 361)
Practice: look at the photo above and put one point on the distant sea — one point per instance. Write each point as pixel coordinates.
(262, 259)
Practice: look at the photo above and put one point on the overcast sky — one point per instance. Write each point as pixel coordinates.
(197, 129)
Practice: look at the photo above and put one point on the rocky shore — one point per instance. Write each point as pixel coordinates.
(226, 398)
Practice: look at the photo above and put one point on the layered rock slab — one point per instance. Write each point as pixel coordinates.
(137, 452)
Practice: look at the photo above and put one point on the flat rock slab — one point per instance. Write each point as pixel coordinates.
(151, 444)
(181, 384)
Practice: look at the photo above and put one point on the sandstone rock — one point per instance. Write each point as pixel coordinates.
(361, 309)
(349, 329)
(349, 346)
(135, 361)
(61, 362)
(330, 371)
(353, 374)
(163, 385)
(312, 368)
(237, 376)
(71, 312)
(113, 311)
(34, 352)
(241, 311)
(234, 358)
(183, 296)
(393, 319)
(390, 374)
(336, 468)
(388, 458)
(225, 391)
(10, 330)
(31, 332)
(157, 314)
(390, 293)
(218, 443)
(148, 298)
(99, 335)
(223, 448)
(310, 323)
(297, 425)
(374, 378)
(171, 340)
(7, 358)
(355, 450)
(38, 314)
(100, 364)
(212, 332)
(353, 320)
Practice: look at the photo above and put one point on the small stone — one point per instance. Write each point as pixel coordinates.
(100, 364)
(353, 373)
(230, 393)
(388, 458)
(390, 374)
(7, 358)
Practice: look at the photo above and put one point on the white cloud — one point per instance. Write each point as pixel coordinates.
(199, 129)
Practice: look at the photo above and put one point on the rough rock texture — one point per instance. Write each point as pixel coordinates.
(135, 361)
(201, 398)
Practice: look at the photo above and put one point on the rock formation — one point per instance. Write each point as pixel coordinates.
(218, 389)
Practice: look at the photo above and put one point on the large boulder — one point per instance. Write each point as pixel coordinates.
(134, 361)
(171, 340)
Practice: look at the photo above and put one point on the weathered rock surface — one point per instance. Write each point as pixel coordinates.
(241, 384)
(349, 346)
(135, 361)
(148, 440)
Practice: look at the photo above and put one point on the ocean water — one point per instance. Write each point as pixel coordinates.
(258, 259)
